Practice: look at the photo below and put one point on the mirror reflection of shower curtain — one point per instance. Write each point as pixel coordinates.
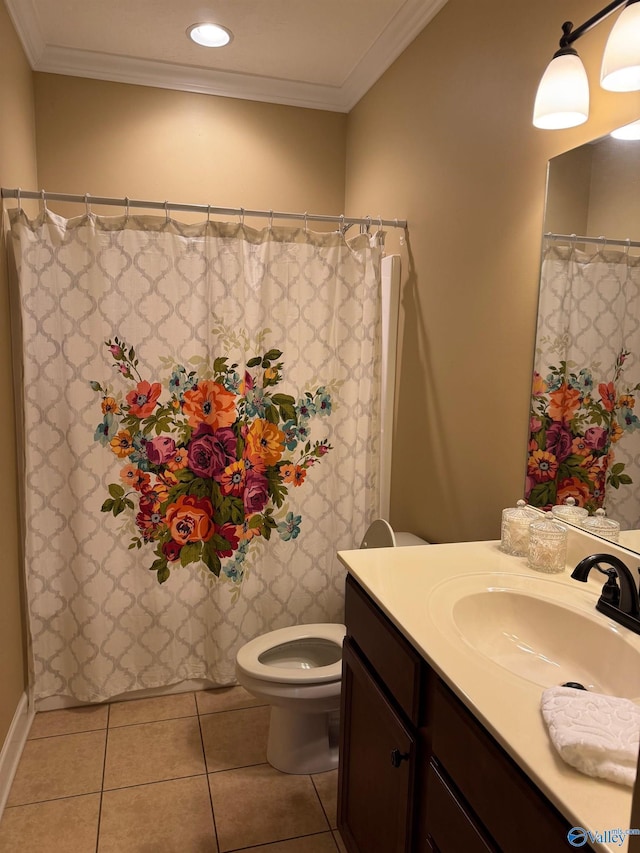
(584, 439)
(201, 436)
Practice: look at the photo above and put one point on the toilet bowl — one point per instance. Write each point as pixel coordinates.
(298, 671)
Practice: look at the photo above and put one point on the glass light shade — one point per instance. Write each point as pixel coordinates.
(621, 59)
(563, 94)
(627, 131)
(209, 35)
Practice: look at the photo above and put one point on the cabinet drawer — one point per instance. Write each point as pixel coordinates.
(515, 814)
(392, 657)
(449, 826)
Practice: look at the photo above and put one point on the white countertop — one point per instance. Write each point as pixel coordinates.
(403, 580)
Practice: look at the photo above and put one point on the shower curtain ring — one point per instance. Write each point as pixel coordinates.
(126, 207)
(380, 222)
(44, 202)
(627, 248)
(342, 228)
(208, 214)
(242, 216)
(19, 199)
(306, 221)
(88, 206)
(271, 219)
(166, 211)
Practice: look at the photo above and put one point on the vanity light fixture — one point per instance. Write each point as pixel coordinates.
(627, 131)
(209, 35)
(562, 99)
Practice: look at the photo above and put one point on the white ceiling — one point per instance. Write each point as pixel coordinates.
(323, 54)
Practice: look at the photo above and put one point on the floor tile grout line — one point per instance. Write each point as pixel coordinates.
(152, 722)
(206, 767)
(155, 782)
(104, 770)
(51, 800)
(136, 785)
(260, 845)
(169, 719)
(65, 734)
(324, 811)
(173, 778)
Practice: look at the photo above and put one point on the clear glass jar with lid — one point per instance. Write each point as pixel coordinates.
(570, 511)
(599, 524)
(547, 545)
(514, 531)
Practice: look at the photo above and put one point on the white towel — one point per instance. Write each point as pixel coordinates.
(597, 734)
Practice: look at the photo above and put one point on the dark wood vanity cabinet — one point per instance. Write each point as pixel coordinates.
(382, 675)
(418, 773)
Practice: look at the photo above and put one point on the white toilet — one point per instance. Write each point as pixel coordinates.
(298, 671)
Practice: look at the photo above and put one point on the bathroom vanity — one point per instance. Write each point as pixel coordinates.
(443, 749)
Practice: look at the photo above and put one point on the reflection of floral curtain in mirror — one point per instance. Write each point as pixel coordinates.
(584, 433)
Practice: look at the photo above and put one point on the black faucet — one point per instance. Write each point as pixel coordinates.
(620, 603)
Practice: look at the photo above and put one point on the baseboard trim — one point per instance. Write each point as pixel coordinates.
(13, 746)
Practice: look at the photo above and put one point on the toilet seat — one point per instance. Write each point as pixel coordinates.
(248, 658)
(379, 534)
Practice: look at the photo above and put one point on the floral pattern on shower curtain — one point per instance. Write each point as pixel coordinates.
(584, 431)
(207, 470)
(201, 408)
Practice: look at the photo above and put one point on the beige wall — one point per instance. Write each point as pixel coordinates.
(594, 190)
(17, 168)
(568, 192)
(115, 139)
(445, 139)
(614, 199)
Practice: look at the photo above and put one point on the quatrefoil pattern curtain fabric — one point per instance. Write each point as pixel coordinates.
(201, 426)
(584, 439)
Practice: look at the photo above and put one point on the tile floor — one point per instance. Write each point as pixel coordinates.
(185, 773)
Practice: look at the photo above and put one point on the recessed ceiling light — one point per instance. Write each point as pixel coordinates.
(209, 35)
(628, 131)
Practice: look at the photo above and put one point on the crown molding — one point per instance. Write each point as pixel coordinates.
(27, 25)
(164, 75)
(413, 16)
(402, 30)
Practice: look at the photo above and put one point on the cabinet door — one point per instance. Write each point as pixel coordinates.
(377, 765)
(450, 827)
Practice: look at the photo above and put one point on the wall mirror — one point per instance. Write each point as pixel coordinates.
(584, 438)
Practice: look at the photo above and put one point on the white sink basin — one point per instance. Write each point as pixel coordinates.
(536, 630)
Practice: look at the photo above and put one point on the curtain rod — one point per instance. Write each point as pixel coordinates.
(343, 221)
(574, 238)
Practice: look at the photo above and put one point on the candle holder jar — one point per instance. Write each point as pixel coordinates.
(514, 531)
(547, 545)
(603, 526)
(570, 511)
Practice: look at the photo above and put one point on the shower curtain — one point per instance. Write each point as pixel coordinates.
(201, 425)
(584, 439)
